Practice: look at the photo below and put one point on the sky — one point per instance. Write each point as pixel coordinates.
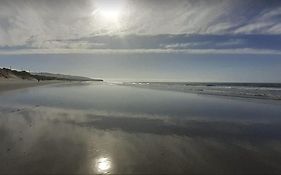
(153, 40)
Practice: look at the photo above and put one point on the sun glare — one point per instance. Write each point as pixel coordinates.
(109, 10)
(103, 165)
(110, 14)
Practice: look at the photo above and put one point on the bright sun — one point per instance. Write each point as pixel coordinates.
(110, 14)
(109, 10)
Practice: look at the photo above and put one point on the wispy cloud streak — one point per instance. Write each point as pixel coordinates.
(141, 51)
(69, 24)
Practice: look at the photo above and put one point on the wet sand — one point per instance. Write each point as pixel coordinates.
(6, 85)
(100, 129)
(45, 140)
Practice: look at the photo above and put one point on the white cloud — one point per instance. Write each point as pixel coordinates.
(204, 44)
(47, 21)
(265, 23)
(185, 45)
(141, 51)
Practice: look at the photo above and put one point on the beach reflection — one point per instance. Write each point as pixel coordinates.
(103, 165)
(148, 132)
(36, 140)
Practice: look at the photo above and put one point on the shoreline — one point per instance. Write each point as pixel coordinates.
(253, 93)
(9, 85)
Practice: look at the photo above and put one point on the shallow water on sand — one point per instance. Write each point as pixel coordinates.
(104, 128)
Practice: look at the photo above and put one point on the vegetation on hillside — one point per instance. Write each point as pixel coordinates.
(14, 74)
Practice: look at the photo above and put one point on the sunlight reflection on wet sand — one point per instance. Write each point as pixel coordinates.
(32, 144)
(60, 140)
(103, 165)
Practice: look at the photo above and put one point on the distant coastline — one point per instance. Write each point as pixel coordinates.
(14, 79)
(10, 74)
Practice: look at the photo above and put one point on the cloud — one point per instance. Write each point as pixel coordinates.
(185, 45)
(144, 44)
(268, 21)
(70, 24)
(141, 51)
(206, 44)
